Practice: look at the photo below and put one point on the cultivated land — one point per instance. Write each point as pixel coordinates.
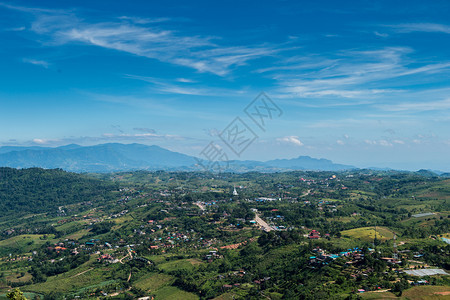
(177, 235)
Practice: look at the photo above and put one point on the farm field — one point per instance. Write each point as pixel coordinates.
(368, 233)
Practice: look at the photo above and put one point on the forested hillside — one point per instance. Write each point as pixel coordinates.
(38, 190)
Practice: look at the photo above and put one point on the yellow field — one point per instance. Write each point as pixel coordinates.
(368, 233)
(415, 293)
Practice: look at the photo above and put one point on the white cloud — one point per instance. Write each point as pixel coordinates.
(421, 27)
(185, 80)
(417, 106)
(349, 74)
(142, 37)
(45, 141)
(380, 34)
(384, 143)
(138, 20)
(35, 62)
(340, 142)
(183, 87)
(139, 136)
(291, 140)
(22, 28)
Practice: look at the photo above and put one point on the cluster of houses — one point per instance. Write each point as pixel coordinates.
(321, 257)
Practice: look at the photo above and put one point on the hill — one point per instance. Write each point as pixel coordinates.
(308, 163)
(37, 190)
(115, 157)
(98, 158)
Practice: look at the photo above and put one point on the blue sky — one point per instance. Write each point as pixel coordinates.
(358, 82)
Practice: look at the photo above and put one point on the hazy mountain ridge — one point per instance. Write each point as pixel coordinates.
(99, 158)
(125, 157)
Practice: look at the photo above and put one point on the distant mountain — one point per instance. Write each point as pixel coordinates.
(99, 158)
(124, 157)
(308, 163)
(427, 173)
(6, 149)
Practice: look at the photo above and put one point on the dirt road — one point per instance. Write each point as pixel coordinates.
(263, 224)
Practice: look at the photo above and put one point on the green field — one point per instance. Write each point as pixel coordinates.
(153, 282)
(72, 281)
(368, 233)
(174, 293)
(24, 243)
(178, 265)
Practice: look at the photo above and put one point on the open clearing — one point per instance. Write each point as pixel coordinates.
(415, 293)
(368, 233)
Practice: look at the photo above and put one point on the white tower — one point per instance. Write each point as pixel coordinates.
(235, 193)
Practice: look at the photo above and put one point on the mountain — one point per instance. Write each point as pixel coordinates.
(99, 158)
(308, 163)
(124, 157)
(6, 149)
(426, 173)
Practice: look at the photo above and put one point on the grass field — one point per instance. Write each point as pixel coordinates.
(27, 295)
(187, 264)
(153, 282)
(226, 296)
(415, 293)
(368, 233)
(24, 243)
(427, 292)
(77, 235)
(376, 295)
(173, 293)
(73, 280)
(15, 277)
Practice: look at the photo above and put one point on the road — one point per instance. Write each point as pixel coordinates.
(306, 193)
(128, 254)
(263, 223)
(82, 273)
(202, 207)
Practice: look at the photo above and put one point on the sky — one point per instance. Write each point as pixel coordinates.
(364, 83)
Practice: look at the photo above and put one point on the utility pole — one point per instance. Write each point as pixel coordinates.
(395, 256)
(375, 237)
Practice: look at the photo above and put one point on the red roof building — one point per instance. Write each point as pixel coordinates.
(314, 234)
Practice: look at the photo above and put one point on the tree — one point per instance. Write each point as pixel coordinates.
(16, 295)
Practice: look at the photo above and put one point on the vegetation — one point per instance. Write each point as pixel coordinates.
(185, 235)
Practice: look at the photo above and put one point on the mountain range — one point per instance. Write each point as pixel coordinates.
(113, 157)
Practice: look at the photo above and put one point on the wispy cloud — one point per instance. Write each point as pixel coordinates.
(183, 86)
(145, 137)
(351, 74)
(417, 106)
(138, 20)
(21, 28)
(383, 35)
(420, 27)
(143, 38)
(139, 136)
(36, 62)
(185, 80)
